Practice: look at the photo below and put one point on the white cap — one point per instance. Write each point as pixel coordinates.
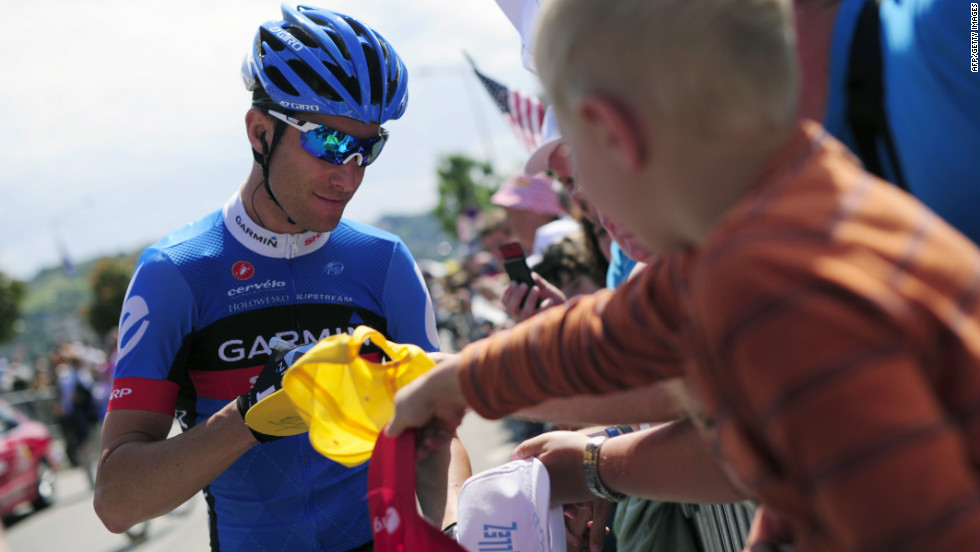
(550, 140)
(508, 508)
(523, 14)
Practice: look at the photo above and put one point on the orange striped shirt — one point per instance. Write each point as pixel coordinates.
(830, 327)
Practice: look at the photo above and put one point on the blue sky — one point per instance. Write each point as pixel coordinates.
(121, 121)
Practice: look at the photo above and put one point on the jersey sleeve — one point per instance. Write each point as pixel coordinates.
(156, 315)
(408, 307)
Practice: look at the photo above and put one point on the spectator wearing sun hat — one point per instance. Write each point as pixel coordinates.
(534, 213)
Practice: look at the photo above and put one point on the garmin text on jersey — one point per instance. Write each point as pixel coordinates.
(258, 234)
(234, 350)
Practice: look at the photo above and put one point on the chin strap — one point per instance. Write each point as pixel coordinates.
(263, 160)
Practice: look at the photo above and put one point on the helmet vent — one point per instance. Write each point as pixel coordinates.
(303, 36)
(384, 51)
(271, 39)
(374, 69)
(280, 81)
(338, 41)
(393, 83)
(314, 81)
(358, 29)
(327, 25)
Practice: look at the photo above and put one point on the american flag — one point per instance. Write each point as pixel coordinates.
(522, 111)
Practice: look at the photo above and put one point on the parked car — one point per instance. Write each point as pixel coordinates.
(27, 465)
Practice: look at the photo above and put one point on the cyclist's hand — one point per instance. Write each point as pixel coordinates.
(268, 381)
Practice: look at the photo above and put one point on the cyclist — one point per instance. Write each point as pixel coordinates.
(277, 260)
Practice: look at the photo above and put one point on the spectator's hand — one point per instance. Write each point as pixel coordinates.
(769, 533)
(268, 381)
(577, 518)
(540, 297)
(434, 403)
(562, 452)
(585, 525)
(602, 509)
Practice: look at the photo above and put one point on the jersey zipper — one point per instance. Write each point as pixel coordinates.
(292, 247)
(291, 253)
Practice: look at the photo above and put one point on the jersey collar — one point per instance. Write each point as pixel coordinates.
(265, 242)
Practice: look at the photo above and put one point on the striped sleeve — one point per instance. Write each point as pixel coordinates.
(594, 344)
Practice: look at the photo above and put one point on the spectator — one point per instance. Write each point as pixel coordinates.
(533, 213)
(919, 124)
(802, 298)
(495, 231)
(79, 413)
(568, 266)
(597, 240)
(638, 524)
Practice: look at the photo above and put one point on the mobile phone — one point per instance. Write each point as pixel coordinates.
(515, 263)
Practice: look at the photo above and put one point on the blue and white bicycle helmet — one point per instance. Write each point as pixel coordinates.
(320, 61)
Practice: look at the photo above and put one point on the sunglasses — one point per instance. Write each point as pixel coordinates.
(332, 145)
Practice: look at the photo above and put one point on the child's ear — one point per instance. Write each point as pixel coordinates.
(615, 130)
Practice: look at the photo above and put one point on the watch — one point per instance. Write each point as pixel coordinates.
(591, 464)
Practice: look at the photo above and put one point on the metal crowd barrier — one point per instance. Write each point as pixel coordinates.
(721, 527)
(40, 404)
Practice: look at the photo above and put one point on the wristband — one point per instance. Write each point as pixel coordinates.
(591, 464)
(612, 431)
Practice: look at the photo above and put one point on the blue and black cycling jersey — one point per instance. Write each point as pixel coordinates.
(201, 308)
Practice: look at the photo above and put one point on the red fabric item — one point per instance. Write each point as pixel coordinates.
(395, 519)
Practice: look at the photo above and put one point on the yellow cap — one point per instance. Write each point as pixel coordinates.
(344, 399)
(276, 415)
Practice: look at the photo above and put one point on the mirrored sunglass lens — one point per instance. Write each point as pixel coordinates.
(336, 147)
(376, 148)
(322, 142)
(313, 145)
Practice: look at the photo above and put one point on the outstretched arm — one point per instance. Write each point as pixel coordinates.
(659, 402)
(668, 462)
(592, 345)
(440, 477)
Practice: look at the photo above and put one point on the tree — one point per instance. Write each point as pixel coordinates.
(465, 187)
(110, 278)
(12, 294)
